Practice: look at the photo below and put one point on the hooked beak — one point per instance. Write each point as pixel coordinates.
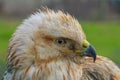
(89, 50)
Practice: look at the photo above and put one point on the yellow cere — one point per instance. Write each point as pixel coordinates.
(85, 43)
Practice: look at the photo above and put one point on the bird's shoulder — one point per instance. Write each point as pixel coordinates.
(102, 69)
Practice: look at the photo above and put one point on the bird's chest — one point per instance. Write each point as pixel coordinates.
(59, 71)
(55, 70)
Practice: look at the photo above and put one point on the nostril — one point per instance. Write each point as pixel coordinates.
(84, 46)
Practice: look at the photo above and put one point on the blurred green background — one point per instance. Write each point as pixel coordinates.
(100, 21)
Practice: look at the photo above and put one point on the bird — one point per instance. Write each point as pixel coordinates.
(51, 45)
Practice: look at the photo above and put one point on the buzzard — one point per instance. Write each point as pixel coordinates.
(51, 45)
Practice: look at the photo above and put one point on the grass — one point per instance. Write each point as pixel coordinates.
(105, 38)
(7, 27)
(103, 35)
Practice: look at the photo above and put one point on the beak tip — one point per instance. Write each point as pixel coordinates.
(90, 52)
(94, 59)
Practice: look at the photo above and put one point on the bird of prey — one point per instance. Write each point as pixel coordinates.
(51, 45)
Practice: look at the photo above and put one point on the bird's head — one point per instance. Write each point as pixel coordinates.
(50, 35)
(61, 34)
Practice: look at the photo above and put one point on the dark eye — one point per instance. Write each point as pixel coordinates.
(61, 41)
